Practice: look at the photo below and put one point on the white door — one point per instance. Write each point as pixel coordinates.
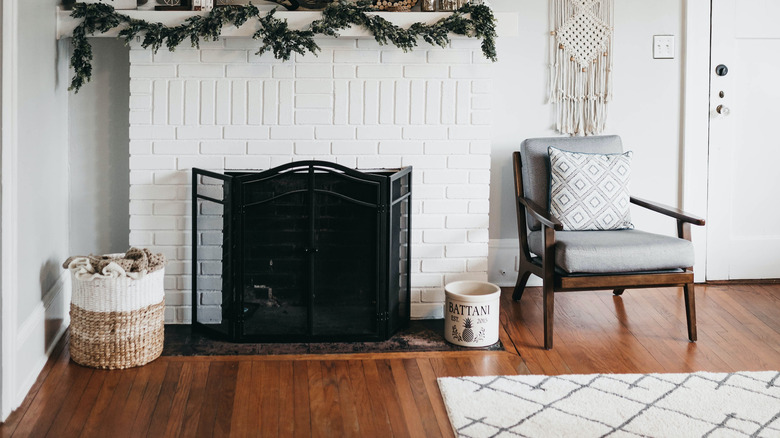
(744, 170)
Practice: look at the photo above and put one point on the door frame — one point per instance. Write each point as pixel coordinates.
(695, 173)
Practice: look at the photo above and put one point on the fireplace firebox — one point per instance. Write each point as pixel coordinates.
(309, 251)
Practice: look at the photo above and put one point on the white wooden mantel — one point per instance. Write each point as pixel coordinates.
(506, 22)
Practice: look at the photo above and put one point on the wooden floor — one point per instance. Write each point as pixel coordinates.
(396, 394)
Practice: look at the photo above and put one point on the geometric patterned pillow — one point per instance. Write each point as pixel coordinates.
(590, 191)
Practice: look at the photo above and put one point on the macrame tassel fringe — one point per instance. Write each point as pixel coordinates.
(580, 81)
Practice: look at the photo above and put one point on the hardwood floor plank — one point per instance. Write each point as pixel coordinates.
(347, 405)
(164, 403)
(80, 379)
(564, 359)
(332, 397)
(254, 405)
(466, 366)
(759, 299)
(72, 374)
(757, 331)
(504, 337)
(322, 398)
(524, 325)
(132, 405)
(287, 399)
(635, 315)
(269, 400)
(584, 343)
(224, 400)
(439, 367)
(673, 354)
(369, 419)
(453, 367)
(434, 395)
(722, 338)
(749, 339)
(619, 341)
(405, 398)
(119, 400)
(195, 400)
(489, 365)
(302, 425)
(382, 401)
(423, 409)
(86, 402)
(98, 412)
(242, 408)
(179, 402)
(213, 391)
(152, 391)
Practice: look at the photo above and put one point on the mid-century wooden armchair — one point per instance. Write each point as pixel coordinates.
(592, 260)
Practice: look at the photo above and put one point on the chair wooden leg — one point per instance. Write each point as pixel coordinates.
(690, 311)
(522, 279)
(549, 311)
(548, 284)
(618, 292)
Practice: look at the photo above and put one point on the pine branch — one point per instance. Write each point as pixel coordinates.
(275, 34)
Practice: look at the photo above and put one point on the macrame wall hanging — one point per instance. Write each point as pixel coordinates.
(581, 64)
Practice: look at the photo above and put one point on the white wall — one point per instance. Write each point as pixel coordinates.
(99, 155)
(42, 153)
(41, 214)
(645, 112)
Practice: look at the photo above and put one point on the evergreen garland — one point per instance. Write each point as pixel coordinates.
(275, 34)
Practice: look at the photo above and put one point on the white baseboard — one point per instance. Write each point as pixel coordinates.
(39, 333)
(503, 263)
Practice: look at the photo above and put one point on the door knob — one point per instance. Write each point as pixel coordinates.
(721, 70)
(723, 110)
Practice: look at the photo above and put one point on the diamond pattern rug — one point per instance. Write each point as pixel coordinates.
(743, 404)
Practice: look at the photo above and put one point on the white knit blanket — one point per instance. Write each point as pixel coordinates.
(82, 269)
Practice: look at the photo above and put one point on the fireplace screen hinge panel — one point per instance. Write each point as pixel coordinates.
(317, 252)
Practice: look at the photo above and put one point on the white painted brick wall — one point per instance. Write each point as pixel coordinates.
(357, 104)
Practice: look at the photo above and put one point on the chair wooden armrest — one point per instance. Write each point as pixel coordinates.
(540, 214)
(668, 211)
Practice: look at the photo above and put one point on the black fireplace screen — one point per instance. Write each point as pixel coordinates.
(308, 251)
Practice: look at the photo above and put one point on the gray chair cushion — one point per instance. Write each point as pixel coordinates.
(534, 158)
(615, 251)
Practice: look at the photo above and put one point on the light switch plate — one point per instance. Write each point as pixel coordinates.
(663, 46)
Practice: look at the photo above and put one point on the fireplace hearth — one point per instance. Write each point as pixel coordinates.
(306, 252)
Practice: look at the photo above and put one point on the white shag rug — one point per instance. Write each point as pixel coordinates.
(615, 405)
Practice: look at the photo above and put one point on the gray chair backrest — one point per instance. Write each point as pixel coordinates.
(535, 161)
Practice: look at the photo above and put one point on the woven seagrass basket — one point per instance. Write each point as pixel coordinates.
(117, 323)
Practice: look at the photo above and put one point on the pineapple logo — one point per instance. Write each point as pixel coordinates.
(468, 333)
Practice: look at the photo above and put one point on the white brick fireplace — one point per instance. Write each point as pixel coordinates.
(357, 104)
